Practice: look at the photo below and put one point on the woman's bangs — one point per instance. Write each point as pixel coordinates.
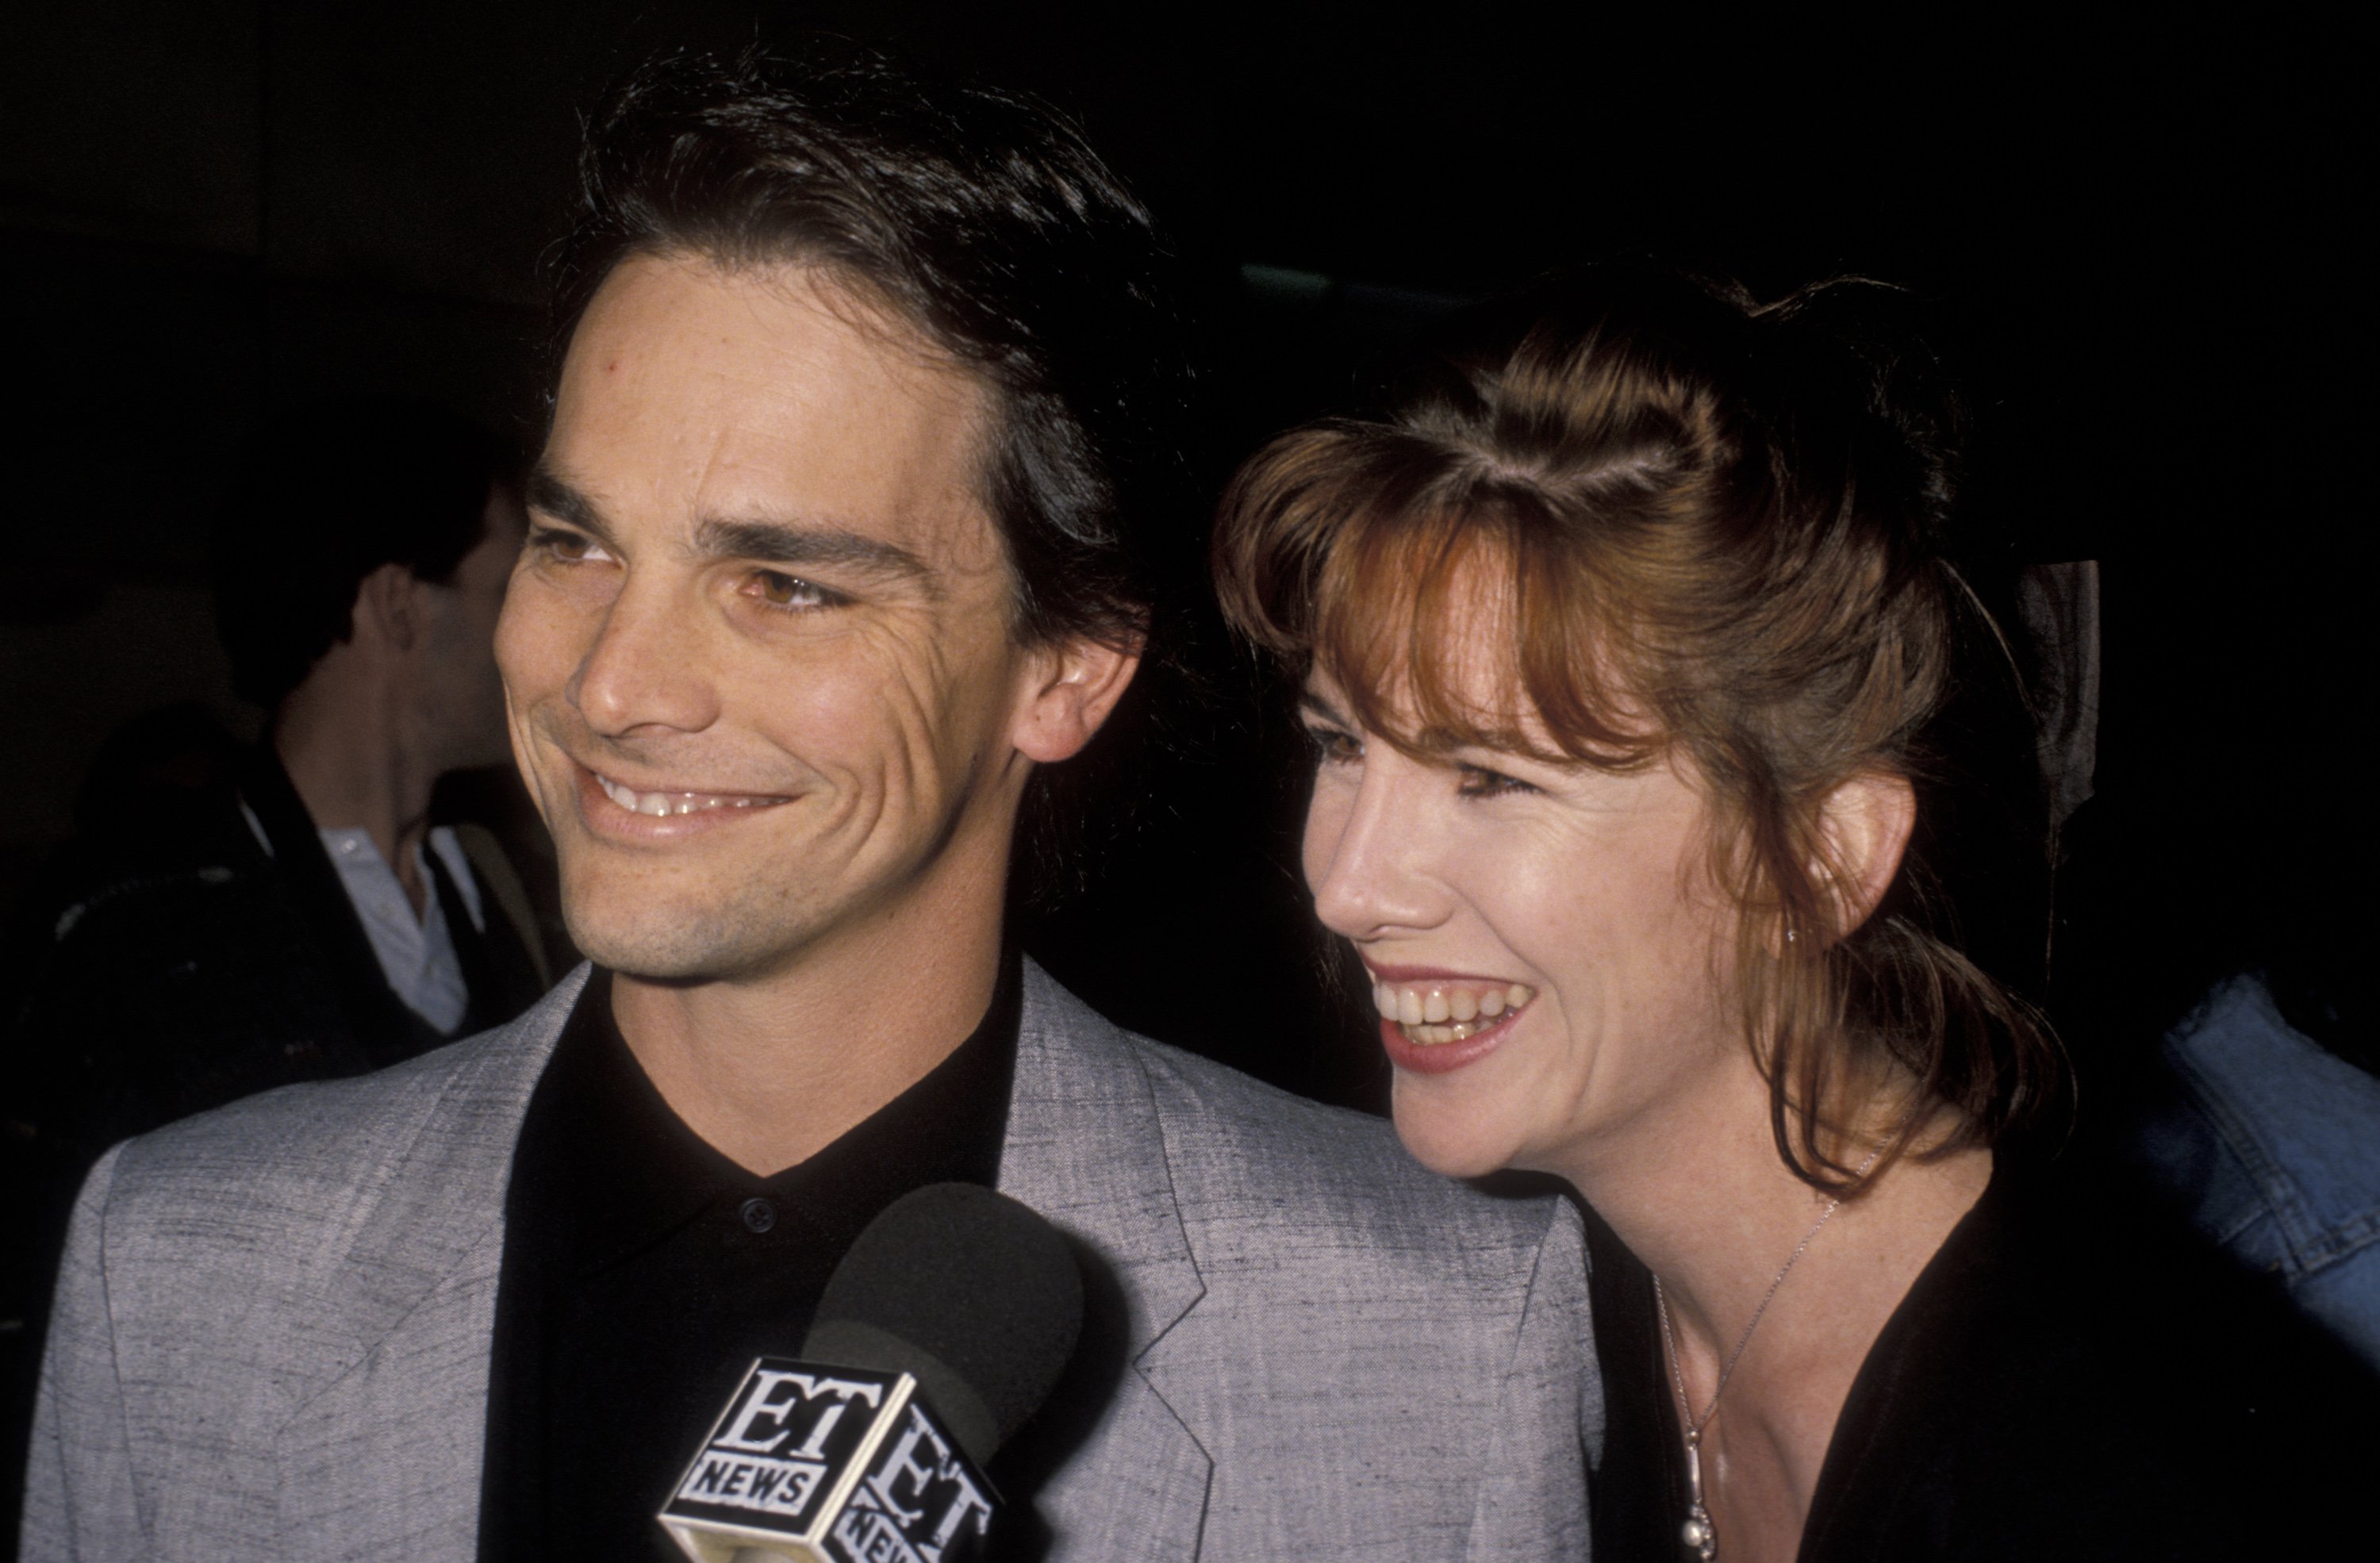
(1445, 629)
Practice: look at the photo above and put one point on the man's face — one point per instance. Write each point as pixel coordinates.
(756, 652)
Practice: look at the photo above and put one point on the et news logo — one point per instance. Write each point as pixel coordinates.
(777, 1444)
(918, 1500)
(831, 1464)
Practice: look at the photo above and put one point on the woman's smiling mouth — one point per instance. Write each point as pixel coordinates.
(1436, 1021)
(1441, 1010)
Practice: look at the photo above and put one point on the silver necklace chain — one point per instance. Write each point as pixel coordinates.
(1697, 1533)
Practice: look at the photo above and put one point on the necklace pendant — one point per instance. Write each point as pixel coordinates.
(1697, 1533)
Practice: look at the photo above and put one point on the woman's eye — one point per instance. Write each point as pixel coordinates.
(1478, 782)
(1333, 746)
(781, 590)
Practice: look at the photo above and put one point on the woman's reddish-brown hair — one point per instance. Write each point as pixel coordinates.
(1714, 529)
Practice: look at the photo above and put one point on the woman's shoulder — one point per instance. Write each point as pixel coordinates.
(2079, 1263)
(2078, 1372)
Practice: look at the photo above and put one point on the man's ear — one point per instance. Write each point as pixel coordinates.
(1073, 687)
(1865, 824)
(388, 606)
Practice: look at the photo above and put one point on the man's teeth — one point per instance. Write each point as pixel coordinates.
(661, 804)
(1448, 1010)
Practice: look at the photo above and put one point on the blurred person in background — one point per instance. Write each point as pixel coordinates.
(2252, 1110)
(2260, 1121)
(307, 920)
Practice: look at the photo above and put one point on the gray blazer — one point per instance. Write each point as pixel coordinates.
(272, 1332)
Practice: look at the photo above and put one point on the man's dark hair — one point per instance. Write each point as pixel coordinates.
(333, 491)
(982, 221)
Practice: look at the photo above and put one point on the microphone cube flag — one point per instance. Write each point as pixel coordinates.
(824, 1464)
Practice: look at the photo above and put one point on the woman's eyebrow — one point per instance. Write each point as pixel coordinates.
(1308, 700)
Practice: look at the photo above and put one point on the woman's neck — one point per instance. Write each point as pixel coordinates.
(1717, 1216)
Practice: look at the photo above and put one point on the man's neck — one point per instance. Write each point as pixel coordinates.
(342, 746)
(771, 1070)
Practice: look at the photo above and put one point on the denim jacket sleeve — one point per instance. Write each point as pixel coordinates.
(2272, 1145)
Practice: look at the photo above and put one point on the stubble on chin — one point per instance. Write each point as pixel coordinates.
(661, 936)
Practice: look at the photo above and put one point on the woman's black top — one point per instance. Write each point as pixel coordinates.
(2072, 1377)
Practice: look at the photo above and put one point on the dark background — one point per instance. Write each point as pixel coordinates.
(2136, 240)
(2136, 244)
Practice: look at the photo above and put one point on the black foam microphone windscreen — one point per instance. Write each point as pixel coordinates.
(975, 1294)
(944, 1327)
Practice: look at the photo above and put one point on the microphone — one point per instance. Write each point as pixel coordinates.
(942, 1332)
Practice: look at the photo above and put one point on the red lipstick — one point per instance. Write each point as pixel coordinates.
(1440, 1057)
(1444, 1058)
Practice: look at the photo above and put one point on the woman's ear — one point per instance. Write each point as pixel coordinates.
(1073, 688)
(1865, 824)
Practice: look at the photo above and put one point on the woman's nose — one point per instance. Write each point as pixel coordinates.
(1366, 851)
(646, 668)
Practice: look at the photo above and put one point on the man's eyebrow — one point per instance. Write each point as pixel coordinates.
(768, 543)
(555, 498)
(803, 544)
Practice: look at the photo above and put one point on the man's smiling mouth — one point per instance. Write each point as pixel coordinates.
(660, 806)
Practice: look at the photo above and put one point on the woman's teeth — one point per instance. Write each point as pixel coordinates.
(1448, 1011)
(660, 805)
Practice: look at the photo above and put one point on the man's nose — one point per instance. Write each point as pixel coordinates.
(1367, 860)
(646, 667)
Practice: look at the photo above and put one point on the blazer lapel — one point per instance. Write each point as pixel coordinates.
(383, 1461)
(1087, 1149)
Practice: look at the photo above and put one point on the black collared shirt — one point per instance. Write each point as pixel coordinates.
(643, 1271)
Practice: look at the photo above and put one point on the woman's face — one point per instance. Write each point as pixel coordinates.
(1544, 941)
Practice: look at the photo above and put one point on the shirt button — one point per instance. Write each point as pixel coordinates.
(758, 1214)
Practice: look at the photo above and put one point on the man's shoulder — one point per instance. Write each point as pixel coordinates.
(314, 1151)
(1240, 1126)
(315, 1128)
(1242, 1153)
(1334, 1286)
(1249, 1156)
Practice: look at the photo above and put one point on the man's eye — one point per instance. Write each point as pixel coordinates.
(1333, 746)
(1478, 782)
(781, 590)
(570, 548)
